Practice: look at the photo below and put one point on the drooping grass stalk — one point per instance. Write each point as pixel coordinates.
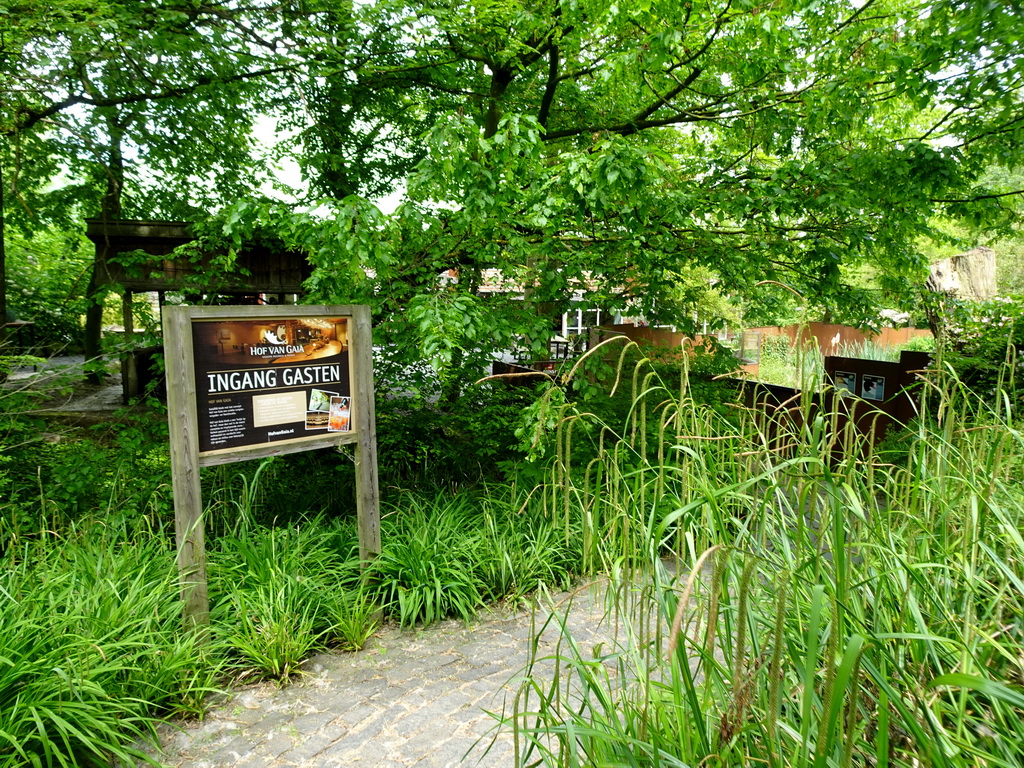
(775, 665)
(567, 491)
(879, 627)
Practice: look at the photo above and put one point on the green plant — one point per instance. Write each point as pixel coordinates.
(461, 441)
(918, 344)
(279, 592)
(92, 651)
(983, 344)
(57, 474)
(281, 495)
(9, 363)
(520, 549)
(799, 366)
(869, 350)
(775, 347)
(426, 570)
(351, 615)
(47, 276)
(833, 609)
(275, 630)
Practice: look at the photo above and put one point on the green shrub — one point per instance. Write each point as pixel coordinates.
(446, 443)
(606, 384)
(520, 548)
(92, 651)
(984, 344)
(869, 350)
(427, 568)
(57, 474)
(283, 489)
(47, 276)
(776, 347)
(351, 615)
(445, 556)
(279, 593)
(275, 630)
(917, 344)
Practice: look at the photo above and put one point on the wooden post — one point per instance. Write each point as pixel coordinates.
(129, 372)
(367, 487)
(188, 500)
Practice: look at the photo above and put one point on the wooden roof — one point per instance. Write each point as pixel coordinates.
(258, 269)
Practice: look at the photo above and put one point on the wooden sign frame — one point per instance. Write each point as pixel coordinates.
(181, 362)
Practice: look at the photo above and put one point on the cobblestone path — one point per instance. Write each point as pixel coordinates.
(409, 698)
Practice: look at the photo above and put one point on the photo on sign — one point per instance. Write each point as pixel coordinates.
(873, 388)
(320, 400)
(230, 343)
(846, 382)
(317, 419)
(341, 415)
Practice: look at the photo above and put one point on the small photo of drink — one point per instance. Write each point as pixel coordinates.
(341, 414)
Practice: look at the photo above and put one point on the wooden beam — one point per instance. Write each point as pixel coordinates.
(129, 371)
(367, 485)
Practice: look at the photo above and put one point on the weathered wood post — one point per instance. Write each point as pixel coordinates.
(184, 433)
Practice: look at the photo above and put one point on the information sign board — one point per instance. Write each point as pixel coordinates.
(271, 380)
(248, 382)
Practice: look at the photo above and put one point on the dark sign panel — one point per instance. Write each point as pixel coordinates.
(270, 380)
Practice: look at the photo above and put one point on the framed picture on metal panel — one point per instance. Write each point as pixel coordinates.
(873, 387)
(846, 382)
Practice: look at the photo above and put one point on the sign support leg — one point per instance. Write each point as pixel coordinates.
(367, 486)
(188, 495)
(190, 536)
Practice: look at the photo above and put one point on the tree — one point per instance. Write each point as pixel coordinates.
(618, 146)
(358, 134)
(143, 103)
(594, 144)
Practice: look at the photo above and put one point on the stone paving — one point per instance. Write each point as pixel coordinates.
(409, 698)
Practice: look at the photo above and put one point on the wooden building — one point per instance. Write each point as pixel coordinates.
(123, 245)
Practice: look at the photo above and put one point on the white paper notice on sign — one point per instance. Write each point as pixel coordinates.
(282, 408)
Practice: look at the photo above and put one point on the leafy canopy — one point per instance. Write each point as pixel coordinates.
(620, 148)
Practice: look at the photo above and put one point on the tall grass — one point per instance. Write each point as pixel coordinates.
(814, 606)
(445, 556)
(92, 652)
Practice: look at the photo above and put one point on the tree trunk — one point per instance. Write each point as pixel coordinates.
(3, 265)
(110, 210)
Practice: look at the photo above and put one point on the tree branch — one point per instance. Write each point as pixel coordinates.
(976, 198)
(27, 118)
(549, 90)
(665, 101)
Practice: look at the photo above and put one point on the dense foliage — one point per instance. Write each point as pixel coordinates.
(93, 653)
(636, 151)
(653, 155)
(853, 606)
(984, 344)
(803, 601)
(831, 623)
(47, 275)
